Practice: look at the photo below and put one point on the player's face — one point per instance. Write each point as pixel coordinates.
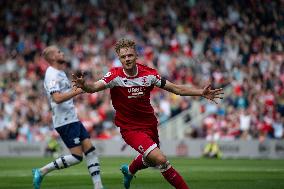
(127, 57)
(58, 55)
(58, 58)
(55, 54)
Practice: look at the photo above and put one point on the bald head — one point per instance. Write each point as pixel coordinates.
(53, 55)
(48, 53)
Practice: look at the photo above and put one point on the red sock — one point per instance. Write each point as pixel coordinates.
(174, 178)
(136, 165)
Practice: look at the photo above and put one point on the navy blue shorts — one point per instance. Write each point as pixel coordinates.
(73, 134)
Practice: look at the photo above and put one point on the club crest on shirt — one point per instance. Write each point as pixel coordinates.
(145, 81)
(108, 74)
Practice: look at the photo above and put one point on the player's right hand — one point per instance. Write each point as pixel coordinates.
(78, 80)
(77, 90)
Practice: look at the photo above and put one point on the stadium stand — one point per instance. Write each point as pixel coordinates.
(234, 44)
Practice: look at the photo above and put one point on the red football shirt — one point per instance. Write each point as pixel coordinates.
(131, 96)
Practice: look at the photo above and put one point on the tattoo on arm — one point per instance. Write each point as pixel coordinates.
(89, 88)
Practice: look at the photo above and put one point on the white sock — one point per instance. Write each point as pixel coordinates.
(61, 163)
(94, 167)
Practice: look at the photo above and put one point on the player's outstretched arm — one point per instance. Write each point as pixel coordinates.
(183, 90)
(80, 82)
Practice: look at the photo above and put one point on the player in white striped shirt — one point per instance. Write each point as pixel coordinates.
(60, 94)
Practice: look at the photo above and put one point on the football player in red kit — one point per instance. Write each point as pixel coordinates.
(130, 87)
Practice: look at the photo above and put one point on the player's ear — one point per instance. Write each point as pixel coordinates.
(51, 56)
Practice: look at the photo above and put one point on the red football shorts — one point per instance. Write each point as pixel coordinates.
(143, 141)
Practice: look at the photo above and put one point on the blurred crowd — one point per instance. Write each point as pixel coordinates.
(234, 44)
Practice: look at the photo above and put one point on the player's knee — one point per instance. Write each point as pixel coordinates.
(90, 151)
(148, 163)
(78, 157)
(165, 166)
(67, 161)
(161, 160)
(155, 161)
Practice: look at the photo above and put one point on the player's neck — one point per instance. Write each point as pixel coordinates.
(131, 72)
(57, 66)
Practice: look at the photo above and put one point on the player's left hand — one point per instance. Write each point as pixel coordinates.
(212, 94)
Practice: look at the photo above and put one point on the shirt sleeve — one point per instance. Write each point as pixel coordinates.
(52, 84)
(109, 78)
(157, 79)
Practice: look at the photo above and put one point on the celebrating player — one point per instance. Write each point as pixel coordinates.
(130, 87)
(65, 121)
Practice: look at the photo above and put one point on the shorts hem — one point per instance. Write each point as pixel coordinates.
(150, 149)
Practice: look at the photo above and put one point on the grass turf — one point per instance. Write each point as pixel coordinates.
(198, 173)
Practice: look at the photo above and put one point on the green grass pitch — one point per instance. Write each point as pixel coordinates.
(198, 173)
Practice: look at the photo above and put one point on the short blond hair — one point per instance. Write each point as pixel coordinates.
(124, 43)
(47, 52)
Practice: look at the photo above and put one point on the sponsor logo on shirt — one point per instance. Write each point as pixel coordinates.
(135, 92)
(52, 83)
